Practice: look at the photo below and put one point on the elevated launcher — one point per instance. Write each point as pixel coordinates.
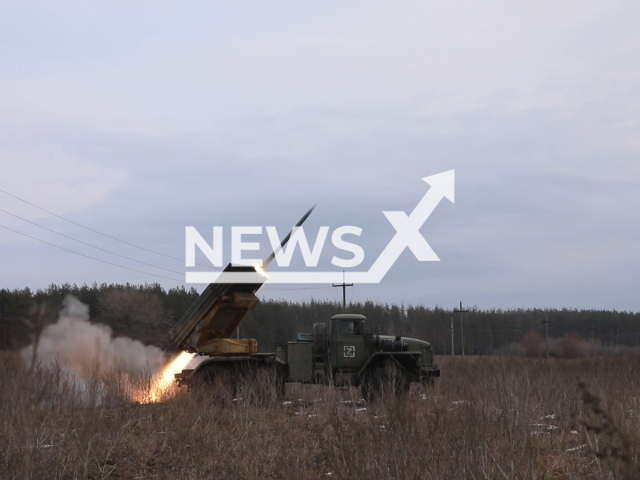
(208, 325)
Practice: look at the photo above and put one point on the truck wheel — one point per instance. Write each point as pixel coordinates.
(281, 381)
(395, 378)
(215, 382)
(370, 385)
(262, 383)
(428, 381)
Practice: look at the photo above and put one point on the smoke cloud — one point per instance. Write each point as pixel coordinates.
(87, 349)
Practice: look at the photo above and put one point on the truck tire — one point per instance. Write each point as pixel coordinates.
(387, 379)
(281, 381)
(395, 378)
(216, 382)
(370, 386)
(227, 382)
(261, 383)
(428, 381)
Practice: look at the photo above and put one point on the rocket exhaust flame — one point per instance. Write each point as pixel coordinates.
(161, 384)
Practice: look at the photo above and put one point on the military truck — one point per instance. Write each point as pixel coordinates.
(347, 354)
(344, 353)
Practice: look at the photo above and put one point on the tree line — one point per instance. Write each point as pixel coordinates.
(147, 313)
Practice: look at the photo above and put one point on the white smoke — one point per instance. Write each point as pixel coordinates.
(88, 349)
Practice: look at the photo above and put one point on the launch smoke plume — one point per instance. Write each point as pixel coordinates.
(87, 349)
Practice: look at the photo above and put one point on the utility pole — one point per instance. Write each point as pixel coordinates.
(344, 291)
(453, 352)
(593, 340)
(546, 325)
(461, 311)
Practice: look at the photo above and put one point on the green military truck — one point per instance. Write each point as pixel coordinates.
(346, 354)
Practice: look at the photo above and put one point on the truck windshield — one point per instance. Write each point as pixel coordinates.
(345, 327)
(349, 327)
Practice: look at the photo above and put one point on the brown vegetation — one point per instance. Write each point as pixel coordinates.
(491, 418)
(571, 345)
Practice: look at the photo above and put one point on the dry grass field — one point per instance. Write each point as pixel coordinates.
(491, 418)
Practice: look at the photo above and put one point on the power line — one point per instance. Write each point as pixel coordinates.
(100, 233)
(122, 266)
(90, 245)
(268, 289)
(89, 256)
(108, 251)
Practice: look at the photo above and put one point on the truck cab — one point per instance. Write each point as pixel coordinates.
(349, 350)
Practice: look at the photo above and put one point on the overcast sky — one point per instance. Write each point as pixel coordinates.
(138, 119)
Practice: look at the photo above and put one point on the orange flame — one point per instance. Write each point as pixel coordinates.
(162, 382)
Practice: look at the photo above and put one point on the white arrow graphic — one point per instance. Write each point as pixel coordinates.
(408, 227)
(407, 235)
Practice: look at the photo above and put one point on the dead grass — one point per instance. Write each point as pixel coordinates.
(493, 418)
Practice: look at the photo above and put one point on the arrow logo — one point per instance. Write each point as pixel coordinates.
(407, 236)
(408, 227)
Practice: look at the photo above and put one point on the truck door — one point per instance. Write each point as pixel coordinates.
(350, 349)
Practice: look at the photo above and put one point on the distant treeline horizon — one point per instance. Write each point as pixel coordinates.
(147, 312)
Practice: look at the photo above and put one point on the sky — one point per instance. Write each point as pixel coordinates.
(138, 119)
